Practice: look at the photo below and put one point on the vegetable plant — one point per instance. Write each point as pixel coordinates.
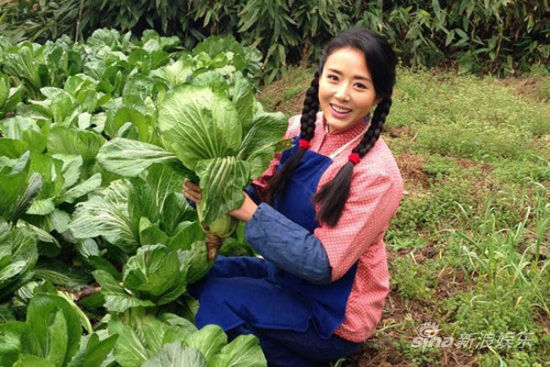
(222, 138)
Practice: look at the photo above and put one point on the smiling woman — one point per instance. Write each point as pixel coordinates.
(317, 216)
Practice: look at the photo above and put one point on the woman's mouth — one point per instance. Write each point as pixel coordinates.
(338, 111)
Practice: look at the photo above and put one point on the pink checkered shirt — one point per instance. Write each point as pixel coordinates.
(376, 190)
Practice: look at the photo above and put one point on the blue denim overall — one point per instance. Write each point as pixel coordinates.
(293, 318)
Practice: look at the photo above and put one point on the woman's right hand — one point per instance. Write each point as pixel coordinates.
(191, 191)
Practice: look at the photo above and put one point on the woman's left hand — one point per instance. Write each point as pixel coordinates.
(246, 211)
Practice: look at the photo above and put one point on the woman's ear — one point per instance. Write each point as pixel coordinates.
(378, 100)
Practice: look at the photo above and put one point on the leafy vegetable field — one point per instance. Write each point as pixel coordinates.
(98, 248)
(97, 245)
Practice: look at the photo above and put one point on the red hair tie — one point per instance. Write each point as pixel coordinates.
(354, 158)
(303, 144)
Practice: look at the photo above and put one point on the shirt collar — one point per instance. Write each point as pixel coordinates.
(345, 133)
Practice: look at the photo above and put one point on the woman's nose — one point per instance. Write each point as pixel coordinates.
(342, 93)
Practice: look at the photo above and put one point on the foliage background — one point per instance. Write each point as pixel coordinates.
(501, 37)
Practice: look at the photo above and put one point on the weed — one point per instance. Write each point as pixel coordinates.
(440, 166)
(544, 90)
(419, 356)
(413, 281)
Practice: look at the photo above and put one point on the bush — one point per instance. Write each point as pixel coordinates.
(492, 36)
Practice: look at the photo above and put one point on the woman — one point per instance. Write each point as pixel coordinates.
(318, 217)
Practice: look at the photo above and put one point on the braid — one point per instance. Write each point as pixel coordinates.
(334, 194)
(375, 128)
(310, 109)
(307, 129)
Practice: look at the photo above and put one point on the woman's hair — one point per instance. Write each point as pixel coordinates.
(381, 62)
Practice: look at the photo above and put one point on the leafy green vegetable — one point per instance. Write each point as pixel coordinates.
(18, 255)
(221, 140)
(53, 329)
(155, 272)
(106, 214)
(174, 355)
(244, 350)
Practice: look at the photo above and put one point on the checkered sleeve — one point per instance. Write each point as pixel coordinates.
(372, 202)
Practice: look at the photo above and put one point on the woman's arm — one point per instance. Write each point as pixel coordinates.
(329, 252)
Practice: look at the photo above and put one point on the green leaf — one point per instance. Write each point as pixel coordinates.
(23, 200)
(117, 298)
(196, 261)
(260, 143)
(209, 340)
(58, 273)
(129, 158)
(129, 349)
(58, 220)
(222, 181)
(97, 351)
(18, 255)
(33, 361)
(4, 89)
(41, 207)
(174, 211)
(41, 334)
(62, 140)
(10, 341)
(148, 196)
(50, 169)
(145, 126)
(244, 350)
(26, 130)
(48, 245)
(243, 98)
(12, 148)
(16, 194)
(176, 73)
(197, 124)
(81, 189)
(155, 272)
(70, 169)
(186, 233)
(61, 106)
(178, 321)
(15, 96)
(154, 332)
(175, 355)
(59, 339)
(151, 234)
(85, 322)
(106, 215)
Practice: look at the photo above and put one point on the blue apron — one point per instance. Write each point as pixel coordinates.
(252, 292)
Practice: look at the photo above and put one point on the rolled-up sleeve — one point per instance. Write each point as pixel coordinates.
(288, 245)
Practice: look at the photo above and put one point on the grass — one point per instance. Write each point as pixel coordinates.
(469, 248)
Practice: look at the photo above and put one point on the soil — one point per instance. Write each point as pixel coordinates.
(530, 87)
(410, 166)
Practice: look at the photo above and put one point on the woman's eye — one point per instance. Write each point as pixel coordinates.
(332, 77)
(361, 86)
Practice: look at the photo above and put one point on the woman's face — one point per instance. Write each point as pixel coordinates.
(346, 91)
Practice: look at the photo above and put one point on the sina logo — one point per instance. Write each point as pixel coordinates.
(429, 337)
(428, 330)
